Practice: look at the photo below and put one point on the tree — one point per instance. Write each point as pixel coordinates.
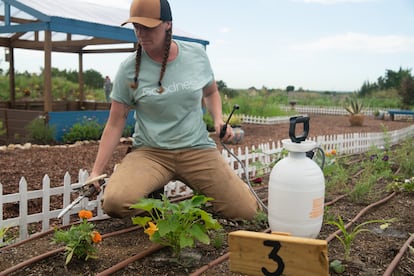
(93, 78)
(367, 88)
(406, 91)
(393, 79)
(221, 85)
(290, 88)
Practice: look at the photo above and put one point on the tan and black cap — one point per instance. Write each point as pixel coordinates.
(149, 13)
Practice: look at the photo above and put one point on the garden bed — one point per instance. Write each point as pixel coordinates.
(371, 252)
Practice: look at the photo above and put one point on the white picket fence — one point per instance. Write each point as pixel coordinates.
(329, 110)
(350, 143)
(46, 195)
(305, 109)
(263, 153)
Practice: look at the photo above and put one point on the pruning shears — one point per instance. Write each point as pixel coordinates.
(86, 190)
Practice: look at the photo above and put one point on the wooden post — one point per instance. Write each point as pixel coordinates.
(12, 80)
(48, 71)
(256, 253)
(80, 79)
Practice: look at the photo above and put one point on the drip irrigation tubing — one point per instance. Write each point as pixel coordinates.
(217, 261)
(391, 267)
(110, 270)
(211, 264)
(31, 261)
(56, 251)
(398, 257)
(360, 214)
(156, 247)
(47, 232)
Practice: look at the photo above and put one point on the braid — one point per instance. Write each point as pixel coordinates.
(168, 38)
(134, 85)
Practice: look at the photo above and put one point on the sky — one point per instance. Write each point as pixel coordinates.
(323, 45)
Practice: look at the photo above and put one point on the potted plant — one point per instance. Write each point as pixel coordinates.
(355, 110)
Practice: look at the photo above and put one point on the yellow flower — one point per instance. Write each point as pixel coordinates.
(151, 229)
(96, 237)
(85, 214)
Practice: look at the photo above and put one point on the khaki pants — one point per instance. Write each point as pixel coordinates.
(145, 170)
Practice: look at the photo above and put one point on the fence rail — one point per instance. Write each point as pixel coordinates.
(261, 154)
(329, 110)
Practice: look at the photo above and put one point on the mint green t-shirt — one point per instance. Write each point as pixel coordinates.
(174, 118)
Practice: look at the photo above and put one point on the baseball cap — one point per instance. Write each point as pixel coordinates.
(149, 13)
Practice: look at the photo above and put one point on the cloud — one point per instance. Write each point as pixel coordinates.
(332, 2)
(224, 30)
(111, 3)
(358, 42)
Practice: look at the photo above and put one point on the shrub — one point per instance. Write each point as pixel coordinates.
(89, 129)
(39, 132)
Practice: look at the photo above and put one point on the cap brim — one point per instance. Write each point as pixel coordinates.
(147, 22)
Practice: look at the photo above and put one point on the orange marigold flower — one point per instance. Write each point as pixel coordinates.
(96, 237)
(85, 214)
(333, 151)
(152, 228)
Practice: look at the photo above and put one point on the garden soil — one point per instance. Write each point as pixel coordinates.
(371, 253)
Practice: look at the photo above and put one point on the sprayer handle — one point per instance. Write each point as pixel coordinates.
(292, 128)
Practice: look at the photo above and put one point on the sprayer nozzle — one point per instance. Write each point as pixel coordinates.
(236, 106)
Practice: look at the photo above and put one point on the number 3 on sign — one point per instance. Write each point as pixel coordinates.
(261, 254)
(273, 255)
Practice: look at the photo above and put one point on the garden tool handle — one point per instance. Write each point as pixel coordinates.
(92, 180)
(224, 128)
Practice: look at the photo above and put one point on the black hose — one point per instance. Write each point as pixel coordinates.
(246, 175)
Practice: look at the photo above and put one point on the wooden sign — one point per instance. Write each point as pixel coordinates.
(266, 254)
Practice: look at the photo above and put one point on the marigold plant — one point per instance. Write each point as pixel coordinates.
(85, 214)
(176, 225)
(80, 239)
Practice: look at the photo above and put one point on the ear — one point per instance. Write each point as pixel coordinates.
(168, 25)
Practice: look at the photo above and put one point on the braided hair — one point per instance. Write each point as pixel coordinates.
(167, 46)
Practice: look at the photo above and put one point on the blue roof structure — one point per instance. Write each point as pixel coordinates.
(69, 26)
(83, 22)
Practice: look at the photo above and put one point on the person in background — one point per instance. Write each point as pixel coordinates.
(107, 88)
(164, 82)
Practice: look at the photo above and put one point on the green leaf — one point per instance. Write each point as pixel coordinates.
(165, 227)
(175, 208)
(141, 220)
(199, 200)
(337, 266)
(209, 221)
(70, 255)
(197, 232)
(146, 204)
(185, 241)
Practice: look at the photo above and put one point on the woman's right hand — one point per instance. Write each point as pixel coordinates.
(96, 183)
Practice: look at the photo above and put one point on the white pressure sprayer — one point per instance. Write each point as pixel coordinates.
(297, 187)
